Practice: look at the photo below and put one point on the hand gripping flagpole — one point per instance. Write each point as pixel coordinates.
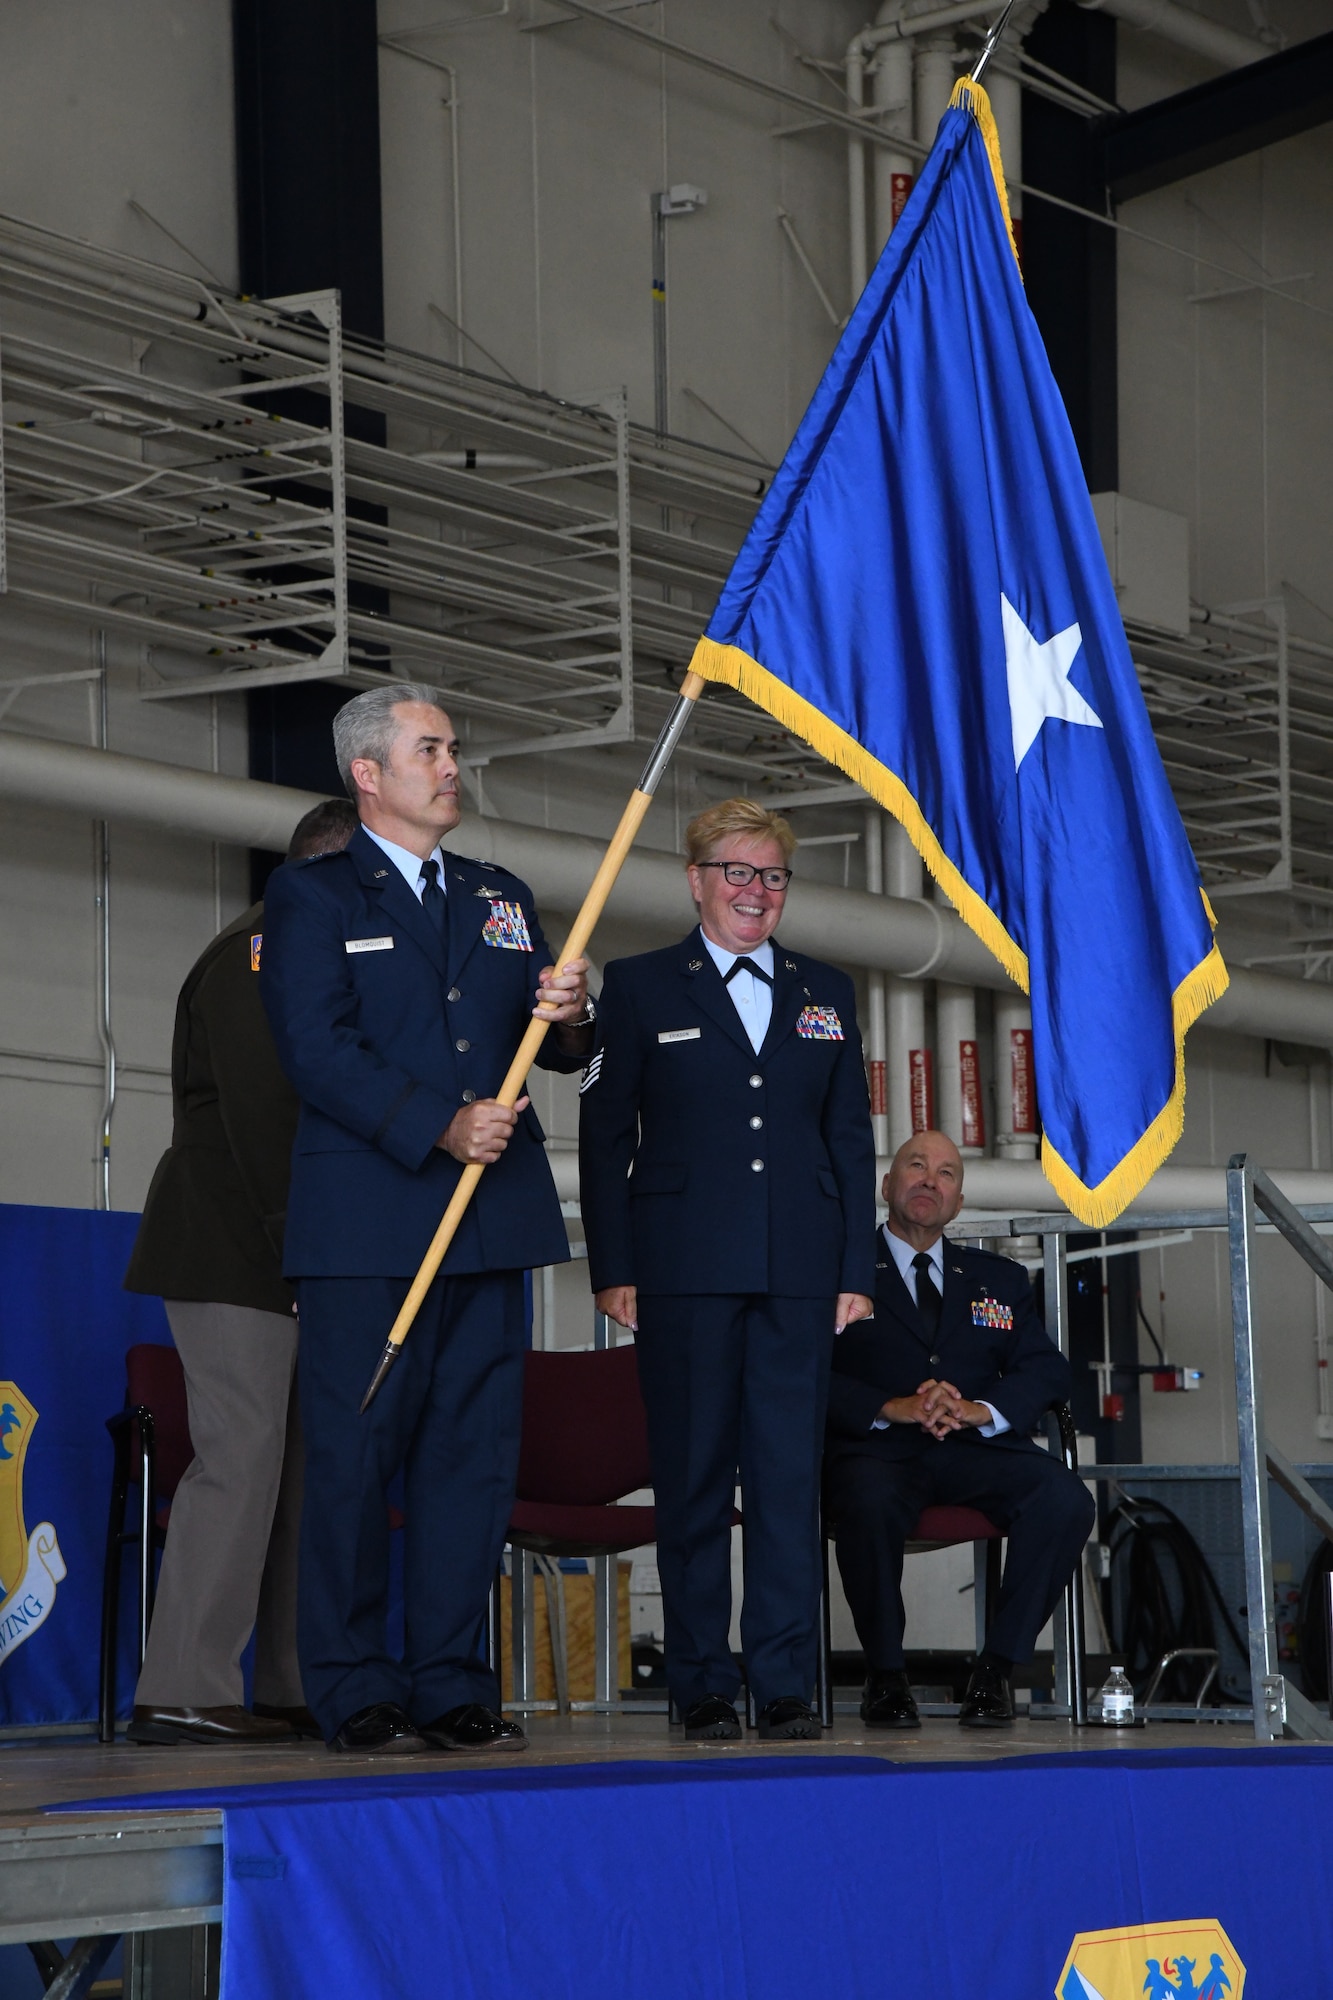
(575, 945)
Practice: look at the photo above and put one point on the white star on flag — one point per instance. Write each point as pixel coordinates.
(1039, 682)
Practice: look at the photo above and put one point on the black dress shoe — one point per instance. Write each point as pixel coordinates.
(791, 1718)
(888, 1702)
(299, 1719)
(206, 1725)
(711, 1719)
(473, 1727)
(382, 1730)
(989, 1701)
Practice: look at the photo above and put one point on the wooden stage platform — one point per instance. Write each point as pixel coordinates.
(36, 1773)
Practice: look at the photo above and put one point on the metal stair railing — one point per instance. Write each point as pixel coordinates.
(1279, 1708)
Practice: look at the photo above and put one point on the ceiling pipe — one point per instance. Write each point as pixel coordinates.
(1019, 1187)
(871, 53)
(913, 939)
(1225, 46)
(1011, 1188)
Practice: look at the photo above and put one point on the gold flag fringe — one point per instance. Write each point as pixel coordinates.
(969, 96)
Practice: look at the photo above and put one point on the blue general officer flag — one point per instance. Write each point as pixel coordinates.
(923, 597)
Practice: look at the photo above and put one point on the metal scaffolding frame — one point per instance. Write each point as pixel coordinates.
(262, 498)
(259, 498)
(1242, 710)
(1279, 1709)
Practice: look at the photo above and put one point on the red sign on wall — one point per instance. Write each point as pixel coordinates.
(969, 1080)
(921, 1071)
(901, 186)
(1022, 1082)
(877, 1075)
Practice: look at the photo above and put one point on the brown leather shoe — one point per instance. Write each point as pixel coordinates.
(207, 1725)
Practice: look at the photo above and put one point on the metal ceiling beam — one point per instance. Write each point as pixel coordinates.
(1221, 120)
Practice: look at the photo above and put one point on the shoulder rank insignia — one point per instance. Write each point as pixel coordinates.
(506, 927)
(819, 1024)
(987, 1311)
(256, 946)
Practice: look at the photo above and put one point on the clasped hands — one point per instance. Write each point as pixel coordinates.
(939, 1408)
(477, 1134)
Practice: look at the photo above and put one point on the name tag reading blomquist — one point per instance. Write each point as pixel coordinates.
(368, 944)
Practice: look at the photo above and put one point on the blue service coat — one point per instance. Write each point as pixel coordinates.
(385, 1035)
(708, 1168)
(989, 1343)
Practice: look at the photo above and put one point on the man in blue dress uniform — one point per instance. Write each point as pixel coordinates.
(931, 1404)
(727, 1172)
(399, 979)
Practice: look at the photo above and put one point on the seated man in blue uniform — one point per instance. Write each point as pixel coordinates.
(727, 1170)
(399, 979)
(931, 1404)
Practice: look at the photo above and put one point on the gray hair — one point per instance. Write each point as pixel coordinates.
(366, 726)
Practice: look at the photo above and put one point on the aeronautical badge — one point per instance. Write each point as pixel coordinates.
(1191, 1960)
(987, 1311)
(31, 1564)
(819, 1024)
(256, 946)
(591, 1073)
(506, 928)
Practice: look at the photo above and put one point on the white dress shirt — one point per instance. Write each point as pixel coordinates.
(410, 866)
(753, 998)
(902, 1254)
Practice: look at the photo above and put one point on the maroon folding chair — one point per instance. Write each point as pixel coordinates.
(584, 1446)
(152, 1449)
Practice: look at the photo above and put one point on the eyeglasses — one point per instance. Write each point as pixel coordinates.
(740, 874)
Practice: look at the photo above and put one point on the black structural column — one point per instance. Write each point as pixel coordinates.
(308, 201)
(1069, 265)
(308, 152)
(1220, 120)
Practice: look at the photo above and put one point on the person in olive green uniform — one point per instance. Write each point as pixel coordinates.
(210, 1245)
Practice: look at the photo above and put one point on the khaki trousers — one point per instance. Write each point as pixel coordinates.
(229, 1567)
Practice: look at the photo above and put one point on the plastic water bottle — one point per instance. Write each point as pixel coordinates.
(1117, 1698)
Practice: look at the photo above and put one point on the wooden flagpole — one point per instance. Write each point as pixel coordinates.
(574, 946)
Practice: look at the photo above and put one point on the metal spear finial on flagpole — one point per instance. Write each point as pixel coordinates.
(575, 944)
(992, 42)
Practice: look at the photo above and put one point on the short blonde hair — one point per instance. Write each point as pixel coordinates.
(735, 816)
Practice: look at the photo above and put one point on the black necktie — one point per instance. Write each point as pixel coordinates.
(433, 899)
(747, 965)
(928, 1300)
